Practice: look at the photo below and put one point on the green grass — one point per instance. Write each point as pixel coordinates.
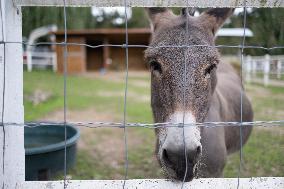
(81, 93)
(267, 101)
(263, 154)
(271, 76)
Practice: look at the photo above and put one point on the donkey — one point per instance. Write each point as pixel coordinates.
(212, 94)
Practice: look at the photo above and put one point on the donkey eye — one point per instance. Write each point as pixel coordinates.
(155, 66)
(209, 70)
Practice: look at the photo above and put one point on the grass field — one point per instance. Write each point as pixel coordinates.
(101, 151)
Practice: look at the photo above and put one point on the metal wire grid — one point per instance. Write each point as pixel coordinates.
(125, 124)
(65, 92)
(184, 96)
(242, 93)
(3, 92)
(125, 97)
(150, 125)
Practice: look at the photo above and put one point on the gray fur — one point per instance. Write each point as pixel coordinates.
(210, 97)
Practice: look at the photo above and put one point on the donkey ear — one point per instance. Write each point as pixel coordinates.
(158, 15)
(214, 18)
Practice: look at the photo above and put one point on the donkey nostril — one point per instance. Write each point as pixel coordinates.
(166, 158)
(165, 155)
(198, 150)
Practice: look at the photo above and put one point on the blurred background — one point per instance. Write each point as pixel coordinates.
(96, 81)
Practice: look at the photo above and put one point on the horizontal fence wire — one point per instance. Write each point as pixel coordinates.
(279, 123)
(144, 46)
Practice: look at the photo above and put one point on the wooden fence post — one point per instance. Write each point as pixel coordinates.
(279, 68)
(253, 62)
(248, 68)
(12, 153)
(54, 62)
(29, 61)
(266, 69)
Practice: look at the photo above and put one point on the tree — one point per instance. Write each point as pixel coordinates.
(267, 24)
(268, 27)
(34, 17)
(77, 18)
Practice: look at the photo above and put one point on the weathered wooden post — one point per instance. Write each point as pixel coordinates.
(279, 68)
(54, 61)
(266, 69)
(106, 56)
(12, 174)
(29, 60)
(248, 68)
(253, 62)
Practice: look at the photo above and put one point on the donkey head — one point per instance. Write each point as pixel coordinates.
(168, 74)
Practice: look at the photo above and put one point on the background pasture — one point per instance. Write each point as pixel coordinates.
(95, 97)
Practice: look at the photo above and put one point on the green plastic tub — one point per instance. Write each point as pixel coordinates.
(44, 149)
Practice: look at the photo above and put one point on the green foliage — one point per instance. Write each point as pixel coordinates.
(266, 23)
(34, 17)
(77, 18)
(139, 18)
(268, 28)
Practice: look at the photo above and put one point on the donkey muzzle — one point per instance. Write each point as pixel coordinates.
(181, 147)
(181, 161)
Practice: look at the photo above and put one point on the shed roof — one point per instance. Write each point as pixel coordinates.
(112, 35)
(136, 35)
(228, 32)
(105, 31)
(234, 32)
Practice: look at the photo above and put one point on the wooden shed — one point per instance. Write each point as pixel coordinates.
(82, 58)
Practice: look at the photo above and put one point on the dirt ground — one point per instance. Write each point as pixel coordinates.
(97, 141)
(116, 76)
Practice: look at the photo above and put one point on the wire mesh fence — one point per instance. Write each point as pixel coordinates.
(125, 124)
